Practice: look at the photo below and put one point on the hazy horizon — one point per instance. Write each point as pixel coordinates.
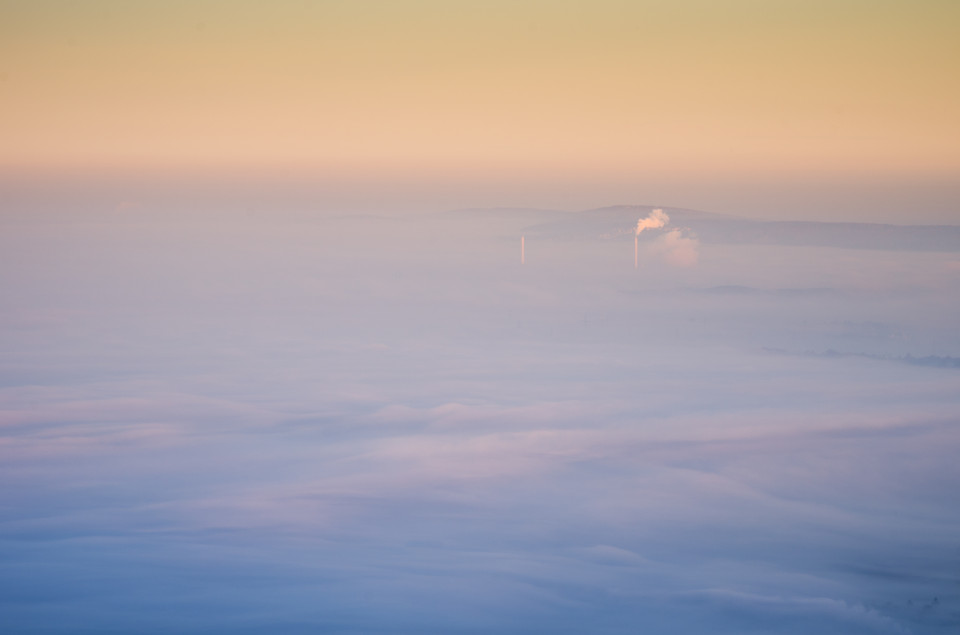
(629, 316)
(931, 200)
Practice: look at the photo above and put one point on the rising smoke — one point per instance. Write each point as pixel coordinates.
(656, 219)
(678, 248)
(675, 246)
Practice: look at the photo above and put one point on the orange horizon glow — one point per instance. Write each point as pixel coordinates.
(429, 89)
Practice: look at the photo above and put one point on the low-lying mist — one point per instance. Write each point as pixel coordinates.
(309, 423)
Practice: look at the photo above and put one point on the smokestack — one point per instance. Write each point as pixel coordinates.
(654, 220)
(523, 253)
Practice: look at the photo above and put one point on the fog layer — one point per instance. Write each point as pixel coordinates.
(311, 424)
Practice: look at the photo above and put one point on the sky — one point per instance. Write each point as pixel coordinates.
(438, 103)
(479, 317)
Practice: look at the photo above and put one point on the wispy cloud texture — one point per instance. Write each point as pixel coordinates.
(369, 425)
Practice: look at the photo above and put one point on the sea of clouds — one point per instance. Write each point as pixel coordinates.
(330, 424)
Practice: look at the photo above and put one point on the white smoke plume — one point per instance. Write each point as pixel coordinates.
(679, 249)
(656, 219)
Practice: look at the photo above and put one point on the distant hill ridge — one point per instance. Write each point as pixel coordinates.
(618, 220)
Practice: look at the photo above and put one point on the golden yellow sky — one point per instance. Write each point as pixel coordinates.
(519, 87)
